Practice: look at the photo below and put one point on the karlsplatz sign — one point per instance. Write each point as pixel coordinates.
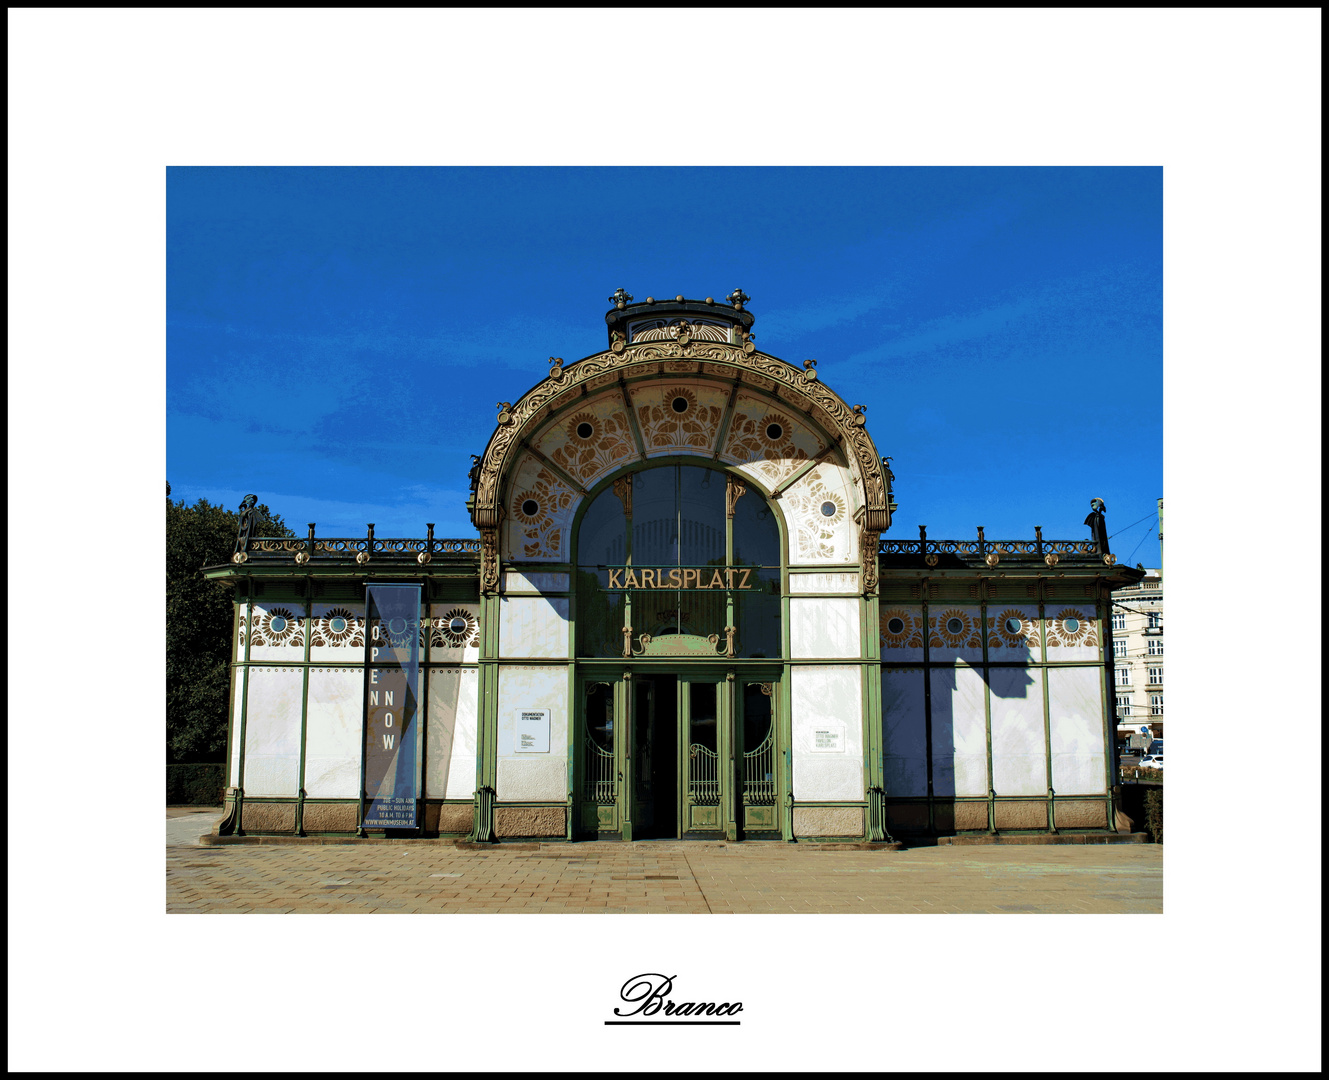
(392, 666)
(690, 578)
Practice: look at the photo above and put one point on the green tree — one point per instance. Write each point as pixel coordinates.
(199, 623)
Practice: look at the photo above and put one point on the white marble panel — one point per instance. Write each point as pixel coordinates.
(537, 777)
(237, 701)
(823, 628)
(1072, 631)
(338, 634)
(956, 632)
(959, 732)
(333, 730)
(450, 735)
(529, 581)
(904, 732)
(241, 631)
(277, 632)
(823, 583)
(1013, 633)
(454, 633)
(1075, 712)
(816, 537)
(823, 696)
(533, 626)
(900, 631)
(272, 731)
(1019, 752)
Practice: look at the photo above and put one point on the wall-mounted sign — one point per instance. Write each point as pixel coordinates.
(530, 731)
(828, 738)
(691, 578)
(392, 664)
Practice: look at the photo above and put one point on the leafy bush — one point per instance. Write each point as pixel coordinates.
(1153, 813)
(195, 785)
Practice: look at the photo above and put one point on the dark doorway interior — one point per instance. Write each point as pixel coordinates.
(657, 757)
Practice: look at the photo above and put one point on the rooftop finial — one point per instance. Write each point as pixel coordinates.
(738, 298)
(621, 298)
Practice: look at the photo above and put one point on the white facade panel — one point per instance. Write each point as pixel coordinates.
(236, 708)
(276, 632)
(1019, 750)
(1075, 713)
(1014, 633)
(955, 632)
(333, 731)
(904, 742)
(451, 733)
(272, 731)
(533, 626)
(824, 628)
(959, 732)
(454, 632)
(827, 699)
(823, 583)
(536, 777)
(530, 581)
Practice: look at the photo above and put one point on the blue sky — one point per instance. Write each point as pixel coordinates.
(337, 337)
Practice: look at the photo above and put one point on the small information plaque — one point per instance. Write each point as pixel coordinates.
(828, 738)
(530, 731)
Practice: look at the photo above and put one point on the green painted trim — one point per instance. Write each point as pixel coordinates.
(983, 584)
(304, 713)
(628, 407)
(1047, 703)
(727, 419)
(927, 700)
(244, 718)
(232, 667)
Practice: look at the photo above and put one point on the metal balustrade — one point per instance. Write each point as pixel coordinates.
(759, 773)
(600, 787)
(703, 776)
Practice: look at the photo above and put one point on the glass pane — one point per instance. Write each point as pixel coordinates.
(701, 698)
(757, 615)
(601, 615)
(756, 718)
(655, 517)
(600, 716)
(702, 516)
(603, 532)
(756, 535)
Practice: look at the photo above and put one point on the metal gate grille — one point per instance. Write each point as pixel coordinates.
(703, 776)
(759, 773)
(600, 787)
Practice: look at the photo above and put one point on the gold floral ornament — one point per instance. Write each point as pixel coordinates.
(536, 511)
(955, 629)
(337, 627)
(594, 444)
(456, 629)
(1013, 629)
(278, 627)
(901, 629)
(1070, 628)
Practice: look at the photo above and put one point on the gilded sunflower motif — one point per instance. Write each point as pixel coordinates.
(278, 627)
(335, 627)
(456, 629)
(1012, 628)
(897, 626)
(1070, 628)
(773, 429)
(955, 629)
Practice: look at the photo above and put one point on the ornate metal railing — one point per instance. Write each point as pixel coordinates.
(703, 776)
(758, 773)
(360, 548)
(599, 787)
(983, 547)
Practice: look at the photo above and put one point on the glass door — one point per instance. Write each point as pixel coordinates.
(705, 756)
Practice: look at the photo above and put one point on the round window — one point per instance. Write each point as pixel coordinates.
(337, 623)
(530, 508)
(584, 430)
(954, 626)
(457, 625)
(1072, 625)
(895, 626)
(397, 626)
(277, 624)
(828, 509)
(679, 404)
(774, 432)
(1013, 626)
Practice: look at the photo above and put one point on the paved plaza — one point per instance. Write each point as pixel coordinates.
(653, 877)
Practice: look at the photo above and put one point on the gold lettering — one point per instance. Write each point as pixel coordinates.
(629, 580)
(730, 572)
(689, 578)
(716, 582)
(744, 583)
(675, 578)
(615, 582)
(648, 579)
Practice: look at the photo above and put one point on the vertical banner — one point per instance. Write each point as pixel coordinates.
(392, 666)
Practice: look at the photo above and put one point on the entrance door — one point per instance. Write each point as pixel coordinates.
(681, 759)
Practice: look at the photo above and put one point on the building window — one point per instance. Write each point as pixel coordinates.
(1156, 675)
(1123, 676)
(1155, 704)
(1119, 647)
(1155, 620)
(1155, 647)
(1118, 620)
(1123, 705)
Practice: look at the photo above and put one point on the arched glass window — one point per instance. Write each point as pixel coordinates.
(660, 552)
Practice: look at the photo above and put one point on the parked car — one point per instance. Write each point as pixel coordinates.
(1151, 761)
